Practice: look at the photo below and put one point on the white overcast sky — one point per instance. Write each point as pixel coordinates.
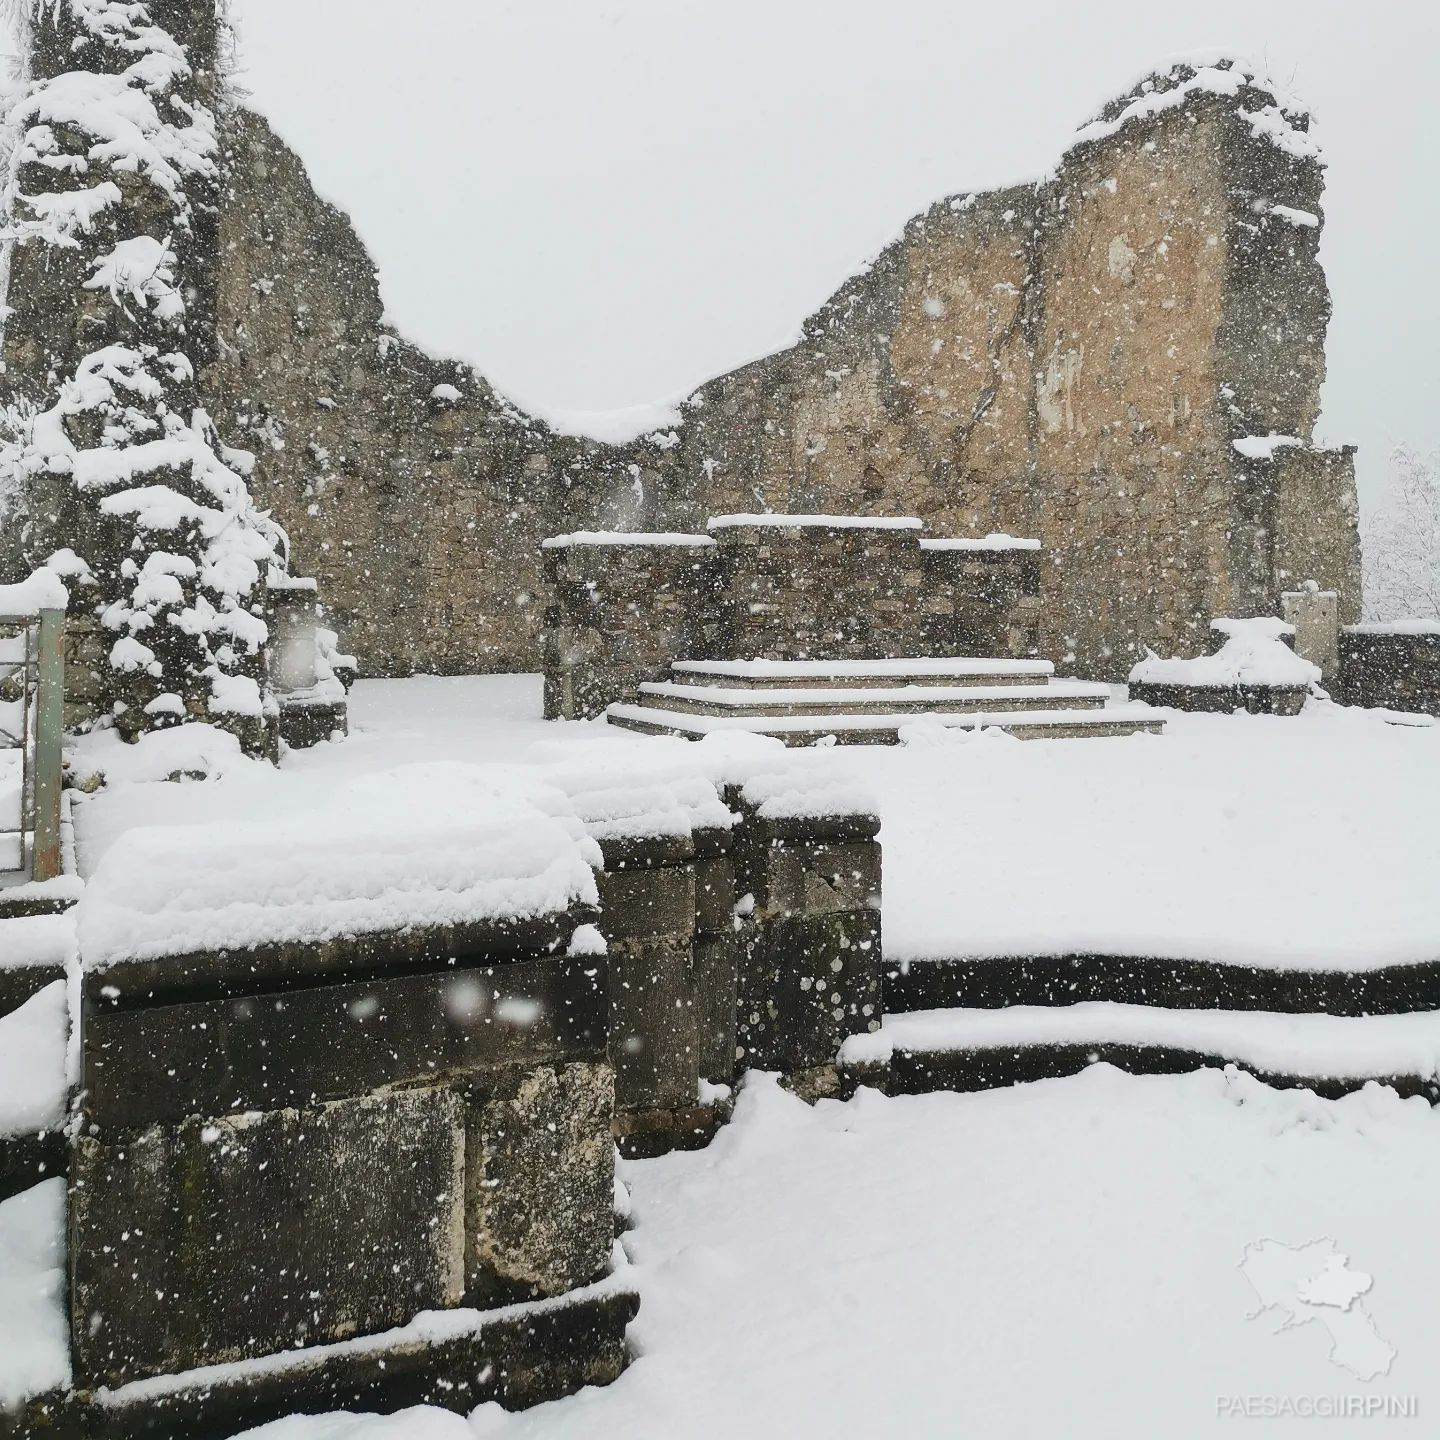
(602, 203)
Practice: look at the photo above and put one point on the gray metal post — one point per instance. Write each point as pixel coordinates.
(49, 724)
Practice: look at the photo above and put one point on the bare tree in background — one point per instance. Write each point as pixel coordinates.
(1401, 542)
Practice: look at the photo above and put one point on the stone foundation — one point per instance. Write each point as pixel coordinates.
(287, 1148)
(622, 608)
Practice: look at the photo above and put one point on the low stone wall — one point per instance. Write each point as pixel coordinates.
(445, 1104)
(448, 1098)
(620, 609)
(1395, 666)
(623, 607)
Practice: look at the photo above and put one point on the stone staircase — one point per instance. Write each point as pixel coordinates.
(869, 701)
(977, 1024)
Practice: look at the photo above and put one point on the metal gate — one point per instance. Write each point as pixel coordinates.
(32, 714)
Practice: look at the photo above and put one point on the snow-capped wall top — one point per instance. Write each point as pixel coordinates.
(826, 522)
(988, 542)
(623, 537)
(1284, 122)
(1255, 653)
(44, 590)
(491, 843)
(1413, 626)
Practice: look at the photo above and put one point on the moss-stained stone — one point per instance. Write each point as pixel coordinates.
(539, 1183)
(218, 1240)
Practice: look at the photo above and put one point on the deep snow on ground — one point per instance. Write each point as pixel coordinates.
(1056, 1259)
(1311, 841)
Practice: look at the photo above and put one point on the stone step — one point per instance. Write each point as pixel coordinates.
(872, 700)
(995, 983)
(884, 674)
(982, 1049)
(884, 729)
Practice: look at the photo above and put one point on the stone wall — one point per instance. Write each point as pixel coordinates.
(1071, 360)
(1396, 666)
(444, 1100)
(622, 608)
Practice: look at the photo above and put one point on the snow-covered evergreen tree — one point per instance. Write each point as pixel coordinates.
(111, 206)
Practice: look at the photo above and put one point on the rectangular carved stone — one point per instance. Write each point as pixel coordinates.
(220, 1239)
(643, 902)
(652, 1025)
(302, 1047)
(715, 988)
(806, 983)
(539, 1183)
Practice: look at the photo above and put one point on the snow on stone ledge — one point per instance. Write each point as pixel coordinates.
(34, 1333)
(32, 1062)
(44, 590)
(419, 845)
(623, 537)
(1255, 653)
(1263, 447)
(195, 751)
(1413, 626)
(821, 522)
(988, 542)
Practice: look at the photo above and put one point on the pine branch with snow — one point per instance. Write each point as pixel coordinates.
(113, 189)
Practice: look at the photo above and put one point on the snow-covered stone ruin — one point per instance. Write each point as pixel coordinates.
(415, 823)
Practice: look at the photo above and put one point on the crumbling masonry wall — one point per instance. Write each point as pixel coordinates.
(1071, 360)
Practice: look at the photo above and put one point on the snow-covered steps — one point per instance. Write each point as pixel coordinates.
(884, 728)
(1183, 984)
(869, 702)
(872, 699)
(979, 1049)
(854, 674)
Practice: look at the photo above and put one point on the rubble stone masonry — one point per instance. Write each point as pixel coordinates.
(1071, 360)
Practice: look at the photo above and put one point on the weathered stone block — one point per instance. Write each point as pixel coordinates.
(297, 1048)
(654, 901)
(539, 1183)
(220, 1239)
(652, 1027)
(806, 982)
(715, 967)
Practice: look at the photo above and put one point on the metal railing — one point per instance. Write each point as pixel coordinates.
(32, 717)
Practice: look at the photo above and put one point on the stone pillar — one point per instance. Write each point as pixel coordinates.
(811, 964)
(662, 989)
(1315, 614)
(715, 967)
(621, 608)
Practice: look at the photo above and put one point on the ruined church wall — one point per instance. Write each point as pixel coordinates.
(1069, 360)
(420, 513)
